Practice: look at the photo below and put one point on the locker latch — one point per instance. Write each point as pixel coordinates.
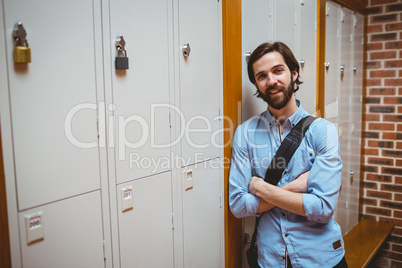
(186, 49)
(351, 173)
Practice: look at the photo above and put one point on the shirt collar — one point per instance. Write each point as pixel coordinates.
(292, 120)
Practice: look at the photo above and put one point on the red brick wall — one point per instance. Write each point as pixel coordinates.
(382, 194)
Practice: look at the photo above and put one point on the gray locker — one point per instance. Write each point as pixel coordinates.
(343, 91)
(306, 51)
(202, 215)
(284, 16)
(145, 232)
(200, 78)
(73, 235)
(142, 127)
(332, 52)
(252, 24)
(53, 102)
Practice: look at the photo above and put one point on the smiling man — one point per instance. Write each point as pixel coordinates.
(296, 227)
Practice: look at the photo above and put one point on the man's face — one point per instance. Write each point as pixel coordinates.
(274, 80)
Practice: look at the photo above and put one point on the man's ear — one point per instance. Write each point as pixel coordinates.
(295, 75)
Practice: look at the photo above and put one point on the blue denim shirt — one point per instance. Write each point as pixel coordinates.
(311, 241)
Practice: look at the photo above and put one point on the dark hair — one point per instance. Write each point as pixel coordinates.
(286, 53)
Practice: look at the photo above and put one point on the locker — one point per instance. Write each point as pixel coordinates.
(307, 53)
(332, 52)
(202, 215)
(253, 23)
(145, 232)
(140, 103)
(285, 14)
(200, 78)
(53, 101)
(356, 114)
(72, 234)
(343, 102)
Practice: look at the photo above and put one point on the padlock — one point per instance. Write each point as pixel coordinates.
(121, 62)
(22, 54)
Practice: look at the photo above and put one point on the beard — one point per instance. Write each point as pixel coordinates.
(278, 102)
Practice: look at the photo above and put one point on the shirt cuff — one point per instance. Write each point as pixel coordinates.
(308, 205)
(252, 204)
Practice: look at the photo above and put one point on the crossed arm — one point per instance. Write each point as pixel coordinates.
(288, 197)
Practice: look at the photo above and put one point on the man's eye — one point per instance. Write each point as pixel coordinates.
(261, 76)
(278, 71)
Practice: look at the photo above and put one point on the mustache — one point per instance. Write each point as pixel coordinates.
(277, 87)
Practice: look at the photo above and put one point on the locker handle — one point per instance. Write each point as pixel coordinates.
(351, 173)
(342, 68)
(186, 49)
(302, 62)
(247, 55)
(326, 65)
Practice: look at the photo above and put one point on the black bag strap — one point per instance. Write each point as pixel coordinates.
(282, 157)
(286, 150)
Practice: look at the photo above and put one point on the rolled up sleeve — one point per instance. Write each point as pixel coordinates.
(325, 176)
(241, 202)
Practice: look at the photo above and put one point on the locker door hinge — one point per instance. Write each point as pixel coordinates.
(220, 114)
(327, 10)
(170, 120)
(270, 9)
(172, 221)
(97, 126)
(104, 250)
(220, 201)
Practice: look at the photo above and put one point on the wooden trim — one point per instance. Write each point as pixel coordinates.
(232, 94)
(354, 5)
(5, 252)
(363, 123)
(321, 18)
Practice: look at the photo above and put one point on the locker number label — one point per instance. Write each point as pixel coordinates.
(127, 193)
(35, 222)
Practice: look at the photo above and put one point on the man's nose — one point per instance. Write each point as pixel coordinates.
(272, 81)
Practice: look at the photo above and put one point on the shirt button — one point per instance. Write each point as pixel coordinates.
(286, 235)
(283, 214)
(311, 154)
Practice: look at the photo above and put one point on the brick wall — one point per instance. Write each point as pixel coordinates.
(382, 191)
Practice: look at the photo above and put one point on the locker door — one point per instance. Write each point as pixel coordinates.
(200, 77)
(345, 105)
(142, 129)
(202, 221)
(72, 234)
(285, 23)
(306, 44)
(356, 115)
(53, 100)
(145, 232)
(332, 52)
(256, 29)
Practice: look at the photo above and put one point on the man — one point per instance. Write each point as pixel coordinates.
(296, 228)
